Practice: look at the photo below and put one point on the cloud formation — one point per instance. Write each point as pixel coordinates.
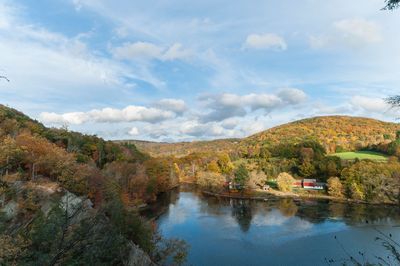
(145, 50)
(109, 115)
(175, 105)
(125, 53)
(265, 41)
(228, 105)
(353, 33)
(369, 104)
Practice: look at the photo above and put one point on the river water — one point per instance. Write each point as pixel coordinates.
(275, 232)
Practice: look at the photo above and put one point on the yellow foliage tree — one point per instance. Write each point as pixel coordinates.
(285, 182)
(335, 187)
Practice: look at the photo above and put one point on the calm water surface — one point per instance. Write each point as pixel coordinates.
(274, 232)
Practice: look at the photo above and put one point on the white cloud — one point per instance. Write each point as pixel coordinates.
(230, 123)
(134, 131)
(228, 105)
(176, 51)
(47, 67)
(265, 41)
(196, 129)
(137, 50)
(145, 50)
(353, 33)
(6, 16)
(356, 30)
(109, 115)
(78, 4)
(292, 95)
(261, 101)
(175, 105)
(371, 105)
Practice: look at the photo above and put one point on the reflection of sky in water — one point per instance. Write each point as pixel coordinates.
(178, 213)
(273, 233)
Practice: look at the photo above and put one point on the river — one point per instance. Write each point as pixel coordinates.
(274, 232)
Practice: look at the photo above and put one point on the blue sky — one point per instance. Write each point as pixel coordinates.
(183, 70)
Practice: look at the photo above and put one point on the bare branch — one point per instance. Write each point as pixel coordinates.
(394, 101)
(391, 4)
(4, 77)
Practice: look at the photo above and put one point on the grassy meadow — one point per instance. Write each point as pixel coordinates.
(376, 156)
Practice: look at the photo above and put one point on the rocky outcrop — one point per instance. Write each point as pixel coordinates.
(137, 257)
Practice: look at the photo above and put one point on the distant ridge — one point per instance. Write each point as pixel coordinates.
(180, 149)
(333, 132)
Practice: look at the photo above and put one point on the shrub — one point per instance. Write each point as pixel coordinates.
(335, 187)
(257, 179)
(285, 182)
(356, 192)
(211, 181)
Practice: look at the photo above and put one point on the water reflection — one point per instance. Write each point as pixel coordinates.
(263, 232)
(242, 212)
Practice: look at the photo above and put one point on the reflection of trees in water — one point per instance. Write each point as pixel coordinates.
(242, 212)
(162, 203)
(319, 211)
(359, 213)
(213, 205)
(337, 210)
(287, 207)
(313, 211)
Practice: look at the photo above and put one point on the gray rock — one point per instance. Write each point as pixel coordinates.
(10, 210)
(137, 257)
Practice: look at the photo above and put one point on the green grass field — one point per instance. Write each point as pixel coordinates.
(361, 155)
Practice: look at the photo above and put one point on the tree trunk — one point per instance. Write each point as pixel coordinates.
(33, 171)
(8, 160)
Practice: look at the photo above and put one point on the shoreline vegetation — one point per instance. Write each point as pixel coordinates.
(266, 195)
(262, 195)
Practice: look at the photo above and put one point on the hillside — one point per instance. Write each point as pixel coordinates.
(335, 133)
(60, 191)
(180, 149)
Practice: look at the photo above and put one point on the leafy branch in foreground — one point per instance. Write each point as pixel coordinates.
(391, 4)
(393, 101)
(386, 240)
(4, 77)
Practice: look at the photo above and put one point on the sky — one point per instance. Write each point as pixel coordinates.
(176, 70)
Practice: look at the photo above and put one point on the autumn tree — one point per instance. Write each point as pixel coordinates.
(211, 181)
(329, 166)
(257, 179)
(213, 167)
(373, 181)
(10, 154)
(307, 169)
(43, 157)
(158, 170)
(285, 182)
(224, 163)
(241, 176)
(335, 187)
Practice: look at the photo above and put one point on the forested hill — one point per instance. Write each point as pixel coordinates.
(62, 192)
(180, 149)
(335, 133)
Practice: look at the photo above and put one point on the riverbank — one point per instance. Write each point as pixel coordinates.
(266, 195)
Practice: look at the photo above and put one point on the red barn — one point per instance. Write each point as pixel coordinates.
(309, 183)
